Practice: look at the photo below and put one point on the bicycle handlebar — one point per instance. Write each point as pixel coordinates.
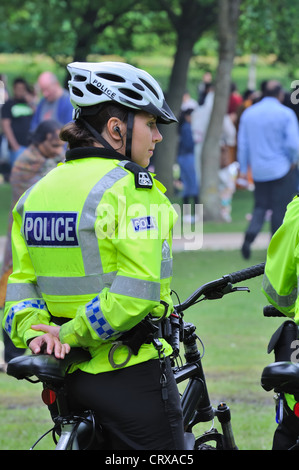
(270, 311)
(247, 273)
(216, 289)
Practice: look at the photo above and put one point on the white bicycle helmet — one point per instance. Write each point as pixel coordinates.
(95, 83)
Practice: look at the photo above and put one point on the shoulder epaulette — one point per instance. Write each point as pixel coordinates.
(143, 178)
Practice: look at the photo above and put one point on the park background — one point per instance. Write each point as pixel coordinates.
(34, 38)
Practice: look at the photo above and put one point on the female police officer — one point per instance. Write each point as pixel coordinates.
(92, 258)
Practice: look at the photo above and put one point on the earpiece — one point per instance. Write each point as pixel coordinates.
(117, 129)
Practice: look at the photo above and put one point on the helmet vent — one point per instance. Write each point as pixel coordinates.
(94, 90)
(149, 87)
(77, 92)
(79, 78)
(131, 94)
(111, 77)
(138, 86)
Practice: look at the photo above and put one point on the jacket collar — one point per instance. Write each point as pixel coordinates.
(90, 152)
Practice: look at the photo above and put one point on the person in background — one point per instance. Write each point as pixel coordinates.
(16, 115)
(268, 143)
(186, 161)
(42, 155)
(204, 87)
(235, 100)
(55, 103)
(228, 167)
(188, 102)
(4, 151)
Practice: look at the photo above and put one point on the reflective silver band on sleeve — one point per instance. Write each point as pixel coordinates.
(166, 268)
(136, 288)
(281, 300)
(80, 285)
(166, 264)
(15, 292)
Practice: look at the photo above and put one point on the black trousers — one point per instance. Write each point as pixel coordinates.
(287, 432)
(129, 405)
(274, 195)
(10, 350)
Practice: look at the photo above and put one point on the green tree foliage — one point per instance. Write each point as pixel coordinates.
(73, 29)
(270, 28)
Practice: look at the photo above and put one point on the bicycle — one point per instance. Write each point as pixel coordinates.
(81, 431)
(282, 375)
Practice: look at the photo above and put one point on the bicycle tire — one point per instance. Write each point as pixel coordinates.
(203, 442)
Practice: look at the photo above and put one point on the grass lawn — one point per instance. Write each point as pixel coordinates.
(235, 335)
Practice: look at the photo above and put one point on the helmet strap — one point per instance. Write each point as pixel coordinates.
(129, 134)
(97, 135)
(103, 141)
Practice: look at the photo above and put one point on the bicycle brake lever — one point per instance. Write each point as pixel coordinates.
(218, 294)
(235, 289)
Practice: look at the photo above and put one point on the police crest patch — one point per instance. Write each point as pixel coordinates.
(143, 178)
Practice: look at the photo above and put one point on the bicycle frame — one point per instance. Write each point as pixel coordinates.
(196, 406)
(195, 400)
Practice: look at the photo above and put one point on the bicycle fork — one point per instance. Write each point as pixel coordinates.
(195, 400)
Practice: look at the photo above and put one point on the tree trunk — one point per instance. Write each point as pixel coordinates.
(227, 24)
(165, 153)
(195, 18)
(251, 85)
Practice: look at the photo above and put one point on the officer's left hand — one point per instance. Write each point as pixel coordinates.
(50, 340)
(53, 330)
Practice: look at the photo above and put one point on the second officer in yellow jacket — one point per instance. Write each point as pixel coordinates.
(280, 286)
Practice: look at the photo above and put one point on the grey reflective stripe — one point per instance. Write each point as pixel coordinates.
(21, 202)
(20, 291)
(166, 265)
(97, 320)
(166, 268)
(281, 300)
(137, 288)
(165, 250)
(75, 285)
(34, 303)
(123, 162)
(87, 236)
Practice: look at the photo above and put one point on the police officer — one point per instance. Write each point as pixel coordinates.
(280, 286)
(92, 256)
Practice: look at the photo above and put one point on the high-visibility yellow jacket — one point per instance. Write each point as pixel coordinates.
(91, 243)
(282, 265)
(280, 282)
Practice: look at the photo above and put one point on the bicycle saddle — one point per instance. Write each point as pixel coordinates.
(45, 367)
(281, 376)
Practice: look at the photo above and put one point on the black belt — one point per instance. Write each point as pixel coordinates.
(59, 320)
